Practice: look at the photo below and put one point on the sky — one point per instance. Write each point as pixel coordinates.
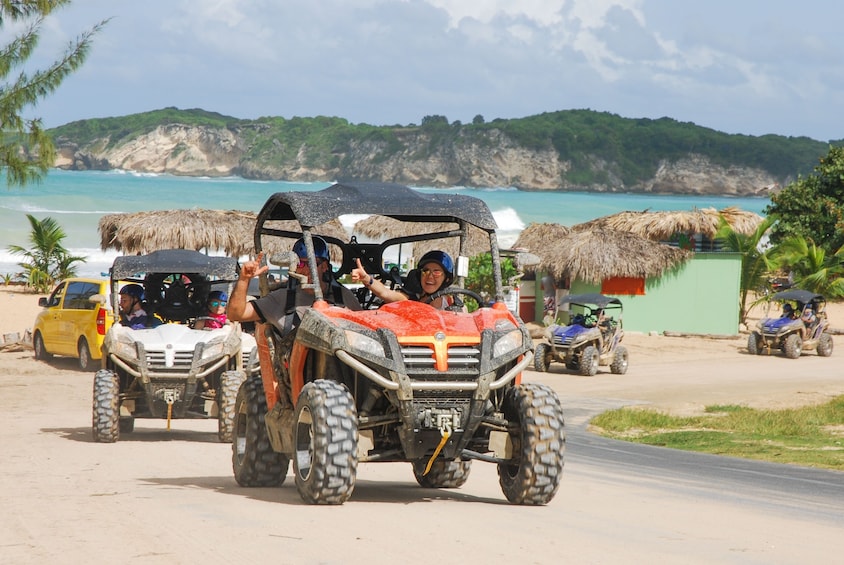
(751, 67)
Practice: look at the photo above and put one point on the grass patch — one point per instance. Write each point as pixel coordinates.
(811, 436)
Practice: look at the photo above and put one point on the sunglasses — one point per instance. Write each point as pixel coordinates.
(217, 303)
(436, 273)
(304, 262)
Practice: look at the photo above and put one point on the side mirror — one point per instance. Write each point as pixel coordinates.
(42, 302)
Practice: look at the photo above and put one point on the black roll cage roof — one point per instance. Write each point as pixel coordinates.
(312, 208)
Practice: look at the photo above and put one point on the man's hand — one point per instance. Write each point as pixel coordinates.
(359, 274)
(253, 268)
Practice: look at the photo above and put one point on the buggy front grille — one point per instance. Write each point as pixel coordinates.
(157, 361)
(422, 357)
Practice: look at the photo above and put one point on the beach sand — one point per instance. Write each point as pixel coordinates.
(168, 496)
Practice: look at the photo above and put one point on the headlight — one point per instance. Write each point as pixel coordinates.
(213, 348)
(126, 350)
(507, 343)
(364, 344)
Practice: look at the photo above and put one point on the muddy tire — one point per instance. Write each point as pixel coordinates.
(793, 346)
(325, 438)
(825, 345)
(619, 361)
(106, 407)
(754, 344)
(254, 462)
(443, 474)
(589, 361)
(540, 358)
(84, 352)
(539, 441)
(38, 345)
(230, 382)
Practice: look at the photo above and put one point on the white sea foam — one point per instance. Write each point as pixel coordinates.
(508, 220)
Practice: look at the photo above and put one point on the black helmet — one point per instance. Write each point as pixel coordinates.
(320, 248)
(134, 290)
(444, 260)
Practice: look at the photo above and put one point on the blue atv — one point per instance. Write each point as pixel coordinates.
(592, 337)
(802, 326)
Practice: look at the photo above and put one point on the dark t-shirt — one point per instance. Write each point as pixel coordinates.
(283, 307)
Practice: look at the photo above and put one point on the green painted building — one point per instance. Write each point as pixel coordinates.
(700, 296)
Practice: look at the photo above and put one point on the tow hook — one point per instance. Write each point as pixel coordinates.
(170, 396)
(445, 432)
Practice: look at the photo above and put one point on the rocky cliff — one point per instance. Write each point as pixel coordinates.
(493, 160)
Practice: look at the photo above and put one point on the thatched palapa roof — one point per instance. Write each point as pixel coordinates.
(537, 236)
(384, 227)
(231, 231)
(662, 225)
(601, 253)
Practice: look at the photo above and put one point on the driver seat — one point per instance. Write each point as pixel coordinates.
(175, 306)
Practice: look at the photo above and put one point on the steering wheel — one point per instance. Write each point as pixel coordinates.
(454, 291)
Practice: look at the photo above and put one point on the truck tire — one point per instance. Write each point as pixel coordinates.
(443, 474)
(254, 462)
(619, 361)
(825, 345)
(589, 361)
(793, 346)
(533, 475)
(106, 407)
(230, 382)
(754, 343)
(325, 439)
(540, 357)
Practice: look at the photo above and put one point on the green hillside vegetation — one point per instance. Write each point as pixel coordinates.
(120, 130)
(598, 144)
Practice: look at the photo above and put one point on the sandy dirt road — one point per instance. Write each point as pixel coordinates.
(169, 497)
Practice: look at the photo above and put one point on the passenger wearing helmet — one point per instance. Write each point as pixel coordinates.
(788, 311)
(132, 313)
(279, 307)
(215, 318)
(435, 271)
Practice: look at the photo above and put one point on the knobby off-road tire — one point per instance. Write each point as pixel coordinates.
(106, 407)
(539, 442)
(443, 474)
(754, 343)
(230, 382)
(793, 346)
(326, 438)
(254, 462)
(84, 353)
(589, 361)
(620, 361)
(38, 345)
(540, 357)
(825, 345)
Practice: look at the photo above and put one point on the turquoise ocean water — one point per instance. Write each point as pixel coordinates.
(77, 200)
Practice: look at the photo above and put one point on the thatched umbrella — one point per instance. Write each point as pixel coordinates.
(383, 227)
(537, 236)
(663, 225)
(231, 231)
(600, 253)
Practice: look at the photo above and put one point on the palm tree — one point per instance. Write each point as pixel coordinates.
(756, 262)
(813, 269)
(46, 258)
